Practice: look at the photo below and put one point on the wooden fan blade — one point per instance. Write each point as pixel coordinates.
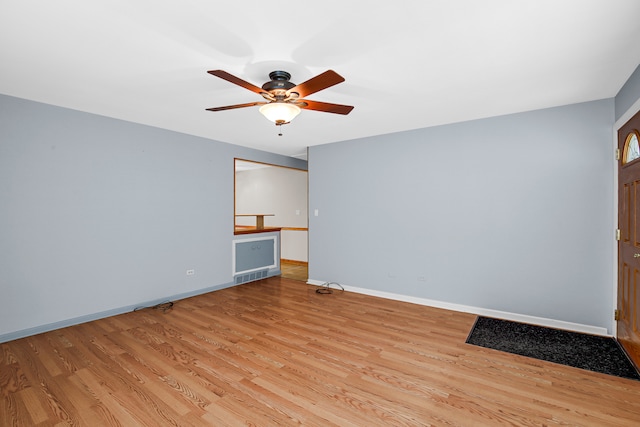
(231, 107)
(317, 83)
(324, 106)
(236, 80)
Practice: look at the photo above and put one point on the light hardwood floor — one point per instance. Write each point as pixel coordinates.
(294, 270)
(275, 353)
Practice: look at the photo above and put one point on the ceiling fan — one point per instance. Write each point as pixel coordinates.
(284, 99)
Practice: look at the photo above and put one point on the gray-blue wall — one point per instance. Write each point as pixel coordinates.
(629, 94)
(512, 213)
(99, 215)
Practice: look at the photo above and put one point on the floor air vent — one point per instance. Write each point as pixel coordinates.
(250, 277)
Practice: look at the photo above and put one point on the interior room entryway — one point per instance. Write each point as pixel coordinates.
(294, 270)
(278, 197)
(627, 315)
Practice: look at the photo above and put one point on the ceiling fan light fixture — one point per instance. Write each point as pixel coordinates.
(280, 112)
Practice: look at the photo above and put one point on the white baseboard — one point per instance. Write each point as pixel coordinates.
(108, 313)
(533, 320)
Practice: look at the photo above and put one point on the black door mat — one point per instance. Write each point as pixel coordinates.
(584, 351)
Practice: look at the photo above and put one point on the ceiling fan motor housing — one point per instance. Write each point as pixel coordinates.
(279, 81)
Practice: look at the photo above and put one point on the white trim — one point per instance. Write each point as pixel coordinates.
(614, 287)
(627, 115)
(541, 321)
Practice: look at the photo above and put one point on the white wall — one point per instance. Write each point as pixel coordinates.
(512, 213)
(279, 191)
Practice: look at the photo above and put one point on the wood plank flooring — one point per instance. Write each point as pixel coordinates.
(275, 353)
(295, 271)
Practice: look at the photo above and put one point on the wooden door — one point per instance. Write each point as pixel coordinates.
(628, 317)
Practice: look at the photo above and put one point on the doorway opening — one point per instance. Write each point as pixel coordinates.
(275, 197)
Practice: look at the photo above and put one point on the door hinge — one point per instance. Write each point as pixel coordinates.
(618, 154)
(616, 315)
(617, 234)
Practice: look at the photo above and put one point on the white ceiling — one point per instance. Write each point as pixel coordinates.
(407, 64)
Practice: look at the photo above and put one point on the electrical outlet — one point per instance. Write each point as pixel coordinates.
(422, 279)
(191, 272)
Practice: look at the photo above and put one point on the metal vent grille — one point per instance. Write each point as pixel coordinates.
(250, 277)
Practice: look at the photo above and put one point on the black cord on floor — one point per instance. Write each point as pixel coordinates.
(326, 288)
(164, 306)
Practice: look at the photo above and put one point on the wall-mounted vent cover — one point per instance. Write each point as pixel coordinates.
(250, 277)
(255, 254)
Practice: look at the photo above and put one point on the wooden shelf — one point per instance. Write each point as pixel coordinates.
(259, 219)
(250, 229)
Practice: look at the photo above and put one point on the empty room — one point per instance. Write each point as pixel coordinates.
(364, 213)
